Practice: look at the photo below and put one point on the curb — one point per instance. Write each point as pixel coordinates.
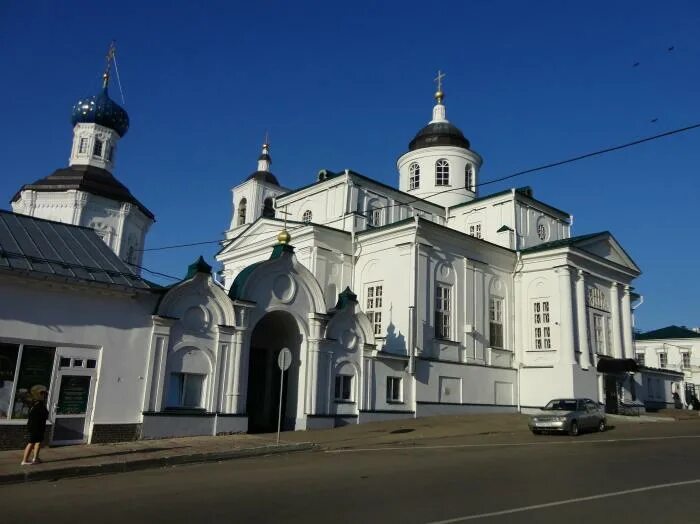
(151, 463)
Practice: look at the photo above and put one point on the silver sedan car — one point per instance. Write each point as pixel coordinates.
(568, 415)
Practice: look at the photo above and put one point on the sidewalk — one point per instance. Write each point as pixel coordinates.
(95, 459)
(68, 461)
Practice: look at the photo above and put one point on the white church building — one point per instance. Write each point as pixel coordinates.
(400, 302)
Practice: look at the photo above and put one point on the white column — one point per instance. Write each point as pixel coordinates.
(615, 311)
(155, 377)
(315, 366)
(584, 357)
(627, 323)
(567, 353)
(238, 375)
(225, 368)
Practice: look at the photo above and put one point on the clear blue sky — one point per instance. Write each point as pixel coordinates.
(347, 85)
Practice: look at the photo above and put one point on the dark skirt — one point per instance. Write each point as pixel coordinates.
(35, 435)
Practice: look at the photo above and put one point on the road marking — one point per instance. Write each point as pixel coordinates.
(567, 501)
(508, 444)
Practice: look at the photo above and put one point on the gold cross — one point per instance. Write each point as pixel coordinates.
(439, 78)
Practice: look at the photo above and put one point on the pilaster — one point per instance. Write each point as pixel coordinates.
(567, 353)
(615, 319)
(158, 356)
(628, 348)
(582, 321)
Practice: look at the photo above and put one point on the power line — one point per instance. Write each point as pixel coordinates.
(594, 153)
(154, 272)
(226, 243)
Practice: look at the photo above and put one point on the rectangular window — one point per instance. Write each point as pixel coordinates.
(82, 146)
(185, 390)
(496, 322)
(640, 359)
(8, 367)
(541, 322)
(475, 230)
(599, 334)
(97, 150)
(374, 307)
(443, 310)
(393, 389)
(343, 388)
(375, 217)
(685, 359)
(663, 360)
(35, 371)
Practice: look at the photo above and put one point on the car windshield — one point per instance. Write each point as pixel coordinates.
(561, 405)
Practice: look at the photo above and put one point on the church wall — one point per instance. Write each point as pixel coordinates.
(111, 328)
(489, 216)
(528, 219)
(58, 206)
(451, 388)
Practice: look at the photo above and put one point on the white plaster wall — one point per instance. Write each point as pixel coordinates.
(471, 384)
(383, 368)
(119, 325)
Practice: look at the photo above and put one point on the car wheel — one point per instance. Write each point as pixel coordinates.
(573, 429)
(601, 425)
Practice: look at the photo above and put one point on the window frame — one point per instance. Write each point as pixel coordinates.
(469, 177)
(443, 311)
(542, 320)
(183, 390)
(663, 360)
(414, 176)
(394, 389)
(685, 355)
(17, 374)
(339, 392)
(640, 358)
(83, 143)
(442, 172)
(242, 212)
(374, 304)
(307, 216)
(496, 308)
(475, 230)
(600, 339)
(98, 148)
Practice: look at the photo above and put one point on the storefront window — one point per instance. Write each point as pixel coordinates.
(35, 372)
(8, 366)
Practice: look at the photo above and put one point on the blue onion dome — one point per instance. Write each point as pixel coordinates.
(102, 110)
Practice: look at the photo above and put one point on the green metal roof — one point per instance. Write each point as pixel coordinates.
(237, 287)
(198, 266)
(668, 332)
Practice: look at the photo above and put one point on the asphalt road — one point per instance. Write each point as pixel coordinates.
(632, 477)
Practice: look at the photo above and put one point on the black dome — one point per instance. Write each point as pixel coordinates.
(264, 176)
(438, 134)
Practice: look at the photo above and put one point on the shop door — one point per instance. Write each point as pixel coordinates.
(70, 411)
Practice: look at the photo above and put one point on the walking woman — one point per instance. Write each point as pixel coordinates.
(36, 427)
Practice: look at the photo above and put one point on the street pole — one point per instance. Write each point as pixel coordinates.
(279, 412)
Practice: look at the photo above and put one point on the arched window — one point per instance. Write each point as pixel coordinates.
(241, 211)
(268, 208)
(97, 149)
(469, 177)
(442, 172)
(306, 217)
(414, 176)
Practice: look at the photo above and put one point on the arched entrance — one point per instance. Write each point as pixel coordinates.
(274, 331)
